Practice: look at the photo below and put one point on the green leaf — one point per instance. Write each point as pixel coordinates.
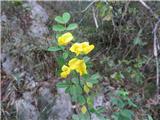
(90, 101)
(65, 55)
(86, 59)
(62, 85)
(58, 28)
(72, 26)
(59, 19)
(66, 17)
(75, 90)
(127, 114)
(117, 76)
(138, 41)
(149, 117)
(94, 78)
(54, 49)
(100, 110)
(60, 60)
(81, 99)
(75, 117)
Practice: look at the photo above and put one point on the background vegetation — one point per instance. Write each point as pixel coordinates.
(123, 32)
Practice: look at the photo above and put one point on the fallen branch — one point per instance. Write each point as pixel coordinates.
(156, 48)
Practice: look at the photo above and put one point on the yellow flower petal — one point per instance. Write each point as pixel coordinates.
(84, 109)
(64, 74)
(81, 68)
(75, 48)
(78, 65)
(65, 71)
(65, 39)
(73, 63)
(81, 48)
(88, 49)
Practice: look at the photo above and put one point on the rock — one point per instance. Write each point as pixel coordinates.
(28, 96)
(63, 107)
(37, 30)
(3, 18)
(38, 13)
(39, 16)
(25, 110)
(99, 101)
(45, 97)
(8, 64)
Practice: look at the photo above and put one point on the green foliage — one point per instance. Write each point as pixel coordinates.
(123, 115)
(120, 102)
(62, 23)
(105, 10)
(59, 28)
(117, 76)
(63, 19)
(138, 41)
(55, 48)
(72, 26)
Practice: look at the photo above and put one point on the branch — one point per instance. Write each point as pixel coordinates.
(88, 6)
(150, 10)
(94, 17)
(155, 49)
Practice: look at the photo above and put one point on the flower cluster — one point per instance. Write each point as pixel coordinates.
(81, 48)
(78, 48)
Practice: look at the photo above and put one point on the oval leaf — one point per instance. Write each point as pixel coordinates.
(62, 85)
(58, 28)
(54, 49)
(66, 17)
(59, 19)
(72, 26)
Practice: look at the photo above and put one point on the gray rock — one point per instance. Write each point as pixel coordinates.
(39, 16)
(28, 96)
(3, 18)
(38, 13)
(25, 110)
(38, 30)
(63, 107)
(99, 101)
(46, 96)
(8, 65)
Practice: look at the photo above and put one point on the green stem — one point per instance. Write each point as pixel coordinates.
(79, 80)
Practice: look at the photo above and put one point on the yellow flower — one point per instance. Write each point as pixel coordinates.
(76, 48)
(65, 39)
(74, 63)
(84, 109)
(78, 65)
(81, 69)
(86, 47)
(81, 48)
(65, 71)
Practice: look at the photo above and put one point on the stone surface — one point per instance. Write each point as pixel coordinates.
(63, 107)
(25, 110)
